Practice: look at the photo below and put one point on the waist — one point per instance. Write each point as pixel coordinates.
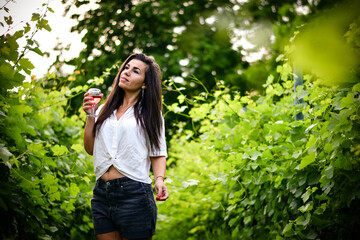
(111, 174)
(118, 181)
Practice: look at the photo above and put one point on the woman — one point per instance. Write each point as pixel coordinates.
(127, 137)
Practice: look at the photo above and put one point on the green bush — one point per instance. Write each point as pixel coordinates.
(46, 177)
(248, 170)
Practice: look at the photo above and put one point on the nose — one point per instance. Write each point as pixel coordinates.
(126, 72)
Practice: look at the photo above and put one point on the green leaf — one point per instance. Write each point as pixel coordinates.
(347, 101)
(43, 23)
(310, 145)
(304, 221)
(306, 196)
(332, 124)
(27, 28)
(36, 50)
(233, 221)
(26, 64)
(356, 88)
(35, 17)
(77, 147)
(5, 51)
(55, 196)
(86, 179)
(18, 79)
(68, 206)
(14, 133)
(308, 159)
(37, 149)
(287, 228)
(200, 112)
(181, 98)
(8, 20)
(190, 182)
(4, 153)
(307, 207)
(196, 229)
(59, 150)
(296, 154)
(254, 155)
(74, 190)
(247, 219)
(49, 180)
(311, 235)
(329, 172)
(6, 72)
(22, 109)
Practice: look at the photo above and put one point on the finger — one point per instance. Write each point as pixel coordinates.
(87, 109)
(88, 104)
(160, 198)
(158, 190)
(88, 98)
(163, 193)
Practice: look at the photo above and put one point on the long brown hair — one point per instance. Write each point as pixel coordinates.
(148, 107)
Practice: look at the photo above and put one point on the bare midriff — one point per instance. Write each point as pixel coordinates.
(111, 174)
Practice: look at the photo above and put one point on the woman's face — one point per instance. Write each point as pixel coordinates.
(133, 76)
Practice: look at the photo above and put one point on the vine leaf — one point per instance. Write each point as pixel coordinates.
(308, 159)
(4, 153)
(59, 150)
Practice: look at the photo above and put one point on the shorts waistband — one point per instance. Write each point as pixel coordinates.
(114, 181)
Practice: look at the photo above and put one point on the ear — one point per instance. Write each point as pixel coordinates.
(143, 86)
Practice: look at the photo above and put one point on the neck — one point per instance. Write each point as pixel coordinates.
(130, 99)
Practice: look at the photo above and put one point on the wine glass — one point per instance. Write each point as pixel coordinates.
(96, 94)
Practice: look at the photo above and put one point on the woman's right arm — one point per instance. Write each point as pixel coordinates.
(89, 137)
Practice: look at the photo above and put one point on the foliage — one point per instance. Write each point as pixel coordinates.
(168, 30)
(45, 174)
(13, 64)
(254, 171)
(249, 170)
(189, 38)
(244, 169)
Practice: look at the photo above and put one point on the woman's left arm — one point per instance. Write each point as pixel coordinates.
(159, 169)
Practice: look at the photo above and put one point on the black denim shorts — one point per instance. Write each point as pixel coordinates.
(124, 205)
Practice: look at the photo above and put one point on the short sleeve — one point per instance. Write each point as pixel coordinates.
(162, 151)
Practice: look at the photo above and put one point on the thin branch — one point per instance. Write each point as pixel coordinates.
(7, 1)
(199, 82)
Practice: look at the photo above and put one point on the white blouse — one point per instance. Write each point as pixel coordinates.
(123, 144)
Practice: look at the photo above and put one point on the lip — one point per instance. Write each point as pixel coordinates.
(123, 79)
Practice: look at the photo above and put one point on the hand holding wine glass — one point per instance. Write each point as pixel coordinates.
(91, 101)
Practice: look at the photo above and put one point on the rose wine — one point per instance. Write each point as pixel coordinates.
(96, 94)
(97, 99)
